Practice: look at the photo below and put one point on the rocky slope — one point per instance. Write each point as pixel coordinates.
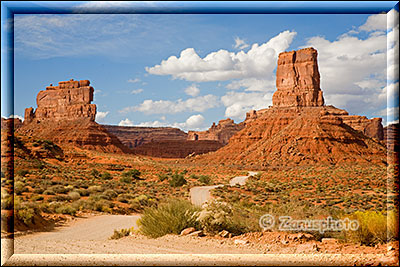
(299, 128)
(66, 116)
(221, 132)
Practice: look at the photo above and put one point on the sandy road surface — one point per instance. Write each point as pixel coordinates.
(200, 194)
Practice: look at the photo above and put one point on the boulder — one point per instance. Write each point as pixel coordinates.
(188, 231)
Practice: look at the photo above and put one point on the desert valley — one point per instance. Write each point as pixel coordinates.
(163, 190)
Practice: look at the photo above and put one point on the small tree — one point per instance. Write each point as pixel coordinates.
(177, 179)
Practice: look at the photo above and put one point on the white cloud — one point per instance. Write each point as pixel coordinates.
(258, 62)
(253, 84)
(374, 22)
(353, 71)
(194, 122)
(240, 44)
(100, 115)
(137, 91)
(136, 80)
(192, 90)
(238, 103)
(125, 122)
(198, 104)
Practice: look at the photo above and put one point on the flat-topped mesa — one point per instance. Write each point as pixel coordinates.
(67, 101)
(298, 80)
(220, 132)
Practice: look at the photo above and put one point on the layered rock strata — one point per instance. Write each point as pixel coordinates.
(221, 132)
(66, 116)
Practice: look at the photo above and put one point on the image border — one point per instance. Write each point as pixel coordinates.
(10, 8)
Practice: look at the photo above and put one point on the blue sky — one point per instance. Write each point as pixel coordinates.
(188, 71)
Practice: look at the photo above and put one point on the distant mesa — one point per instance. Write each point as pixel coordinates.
(221, 132)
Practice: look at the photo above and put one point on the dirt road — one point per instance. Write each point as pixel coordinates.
(200, 194)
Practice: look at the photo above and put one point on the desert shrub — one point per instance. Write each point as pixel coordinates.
(103, 205)
(37, 198)
(177, 179)
(167, 218)
(162, 177)
(66, 209)
(95, 173)
(19, 188)
(59, 198)
(25, 211)
(121, 233)
(82, 192)
(95, 189)
(22, 173)
(125, 179)
(110, 193)
(205, 179)
(373, 227)
(217, 216)
(59, 189)
(141, 202)
(124, 198)
(38, 190)
(74, 195)
(48, 192)
(134, 174)
(106, 176)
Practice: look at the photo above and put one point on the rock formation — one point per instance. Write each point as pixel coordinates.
(132, 136)
(66, 116)
(298, 80)
(10, 122)
(221, 132)
(299, 128)
(67, 101)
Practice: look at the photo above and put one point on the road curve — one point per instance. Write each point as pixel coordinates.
(200, 194)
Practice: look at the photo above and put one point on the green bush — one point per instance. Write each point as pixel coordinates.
(205, 179)
(48, 192)
(168, 218)
(59, 189)
(125, 179)
(177, 179)
(25, 211)
(22, 173)
(95, 189)
(20, 188)
(66, 209)
(134, 174)
(106, 176)
(121, 233)
(162, 177)
(141, 202)
(74, 195)
(95, 173)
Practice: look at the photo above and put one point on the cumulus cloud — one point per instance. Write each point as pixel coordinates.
(198, 104)
(192, 90)
(100, 115)
(194, 122)
(16, 117)
(238, 103)
(258, 62)
(353, 70)
(136, 91)
(126, 122)
(240, 44)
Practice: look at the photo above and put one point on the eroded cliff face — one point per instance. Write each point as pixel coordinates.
(298, 80)
(299, 128)
(67, 101)
(221, 132)
(65, 115)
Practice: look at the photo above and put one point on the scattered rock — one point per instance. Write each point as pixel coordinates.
(223, 233)
(329, 240)
(241, 242)
(307, 248)
(188, 231)
(196, 233)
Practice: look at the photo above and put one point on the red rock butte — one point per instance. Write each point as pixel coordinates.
(298, 80)
(67, 101)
